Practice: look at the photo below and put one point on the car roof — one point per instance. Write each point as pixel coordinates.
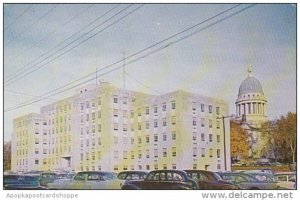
(132, 171)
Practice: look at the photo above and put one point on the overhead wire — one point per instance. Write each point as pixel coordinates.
(52, 33)
(28, 65)
(48, 94)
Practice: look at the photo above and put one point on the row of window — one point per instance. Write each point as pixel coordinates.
(139, 167)
(139, 154)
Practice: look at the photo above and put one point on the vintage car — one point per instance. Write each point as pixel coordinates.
(286, 180)
(21, 182)
(208, 180)
(247, 181)
(132, 175)
(89, 180)
(47, 177)
(162, 180)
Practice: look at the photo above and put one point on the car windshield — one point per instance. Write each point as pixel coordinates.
(109, 176)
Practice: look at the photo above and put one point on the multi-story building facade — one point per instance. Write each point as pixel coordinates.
(107, 128)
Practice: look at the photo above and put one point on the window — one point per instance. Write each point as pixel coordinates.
(202, 137)
(155, 138)
(164, 121)
(202, 152)
(173, 135)
(173, 105)
(218, 166)
(147, 110)
(139, 112)
(164, 152)
(194, 166)
(93, 115)
(210, 109)
(115, 112)
(124, 155)
(218, 138)
(124, 140)
(218, 153)
(211, 151)
(93, 128)
(210, 123)
(116, 167)
(36, 131)
(147, 138)
(147, 167)
(99, 127)
(131, 114)
(36, 161)
(93, 142)
(147, 153)
(202, 122)
(210, 137)
(87, 117)
(36, 151)
(132, 141)
(99, 155)
(155, 108)
(139, 139)
(115, 126)
(87, 142)
(194, 136)
(194, 151)
(115, 99)
(139, 154)
(99, 140)
(173, 151)
(194, 106)
(155, 123)
(147, 124)
(173, 120)
(194, 121)
(124, 113)
(165, 166)
(164, 107)
(36, 141)
(202, 107)
(217, 110)
(125, 127)
(164, 137)
(132, 154)
(93, 155)
(218, 124)
(125, 101)
(139, 126)
(173, 166)
(155, 153)
(81, 156)
(44, 151)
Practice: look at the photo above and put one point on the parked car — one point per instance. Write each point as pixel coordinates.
(47, 177)
(208, 180)
(247, 181)
(132, 175)
(90, 180)
(286, 180)
(162, 180)
(21, 182)
(263, 162)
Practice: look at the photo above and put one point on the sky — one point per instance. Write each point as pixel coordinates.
(60, 43)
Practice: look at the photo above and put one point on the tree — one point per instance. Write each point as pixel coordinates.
(282, 133)
(7, 156)
(239, 146)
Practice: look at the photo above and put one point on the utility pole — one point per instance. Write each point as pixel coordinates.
(124, 70)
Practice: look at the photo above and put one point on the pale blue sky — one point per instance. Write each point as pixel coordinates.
(212, 62)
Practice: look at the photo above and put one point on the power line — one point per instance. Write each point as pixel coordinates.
(54, 31)
(57, 45)
(144, 85)
(25, 94)
(120, 66)
(18, 17)
(34, 23)
(75, 41)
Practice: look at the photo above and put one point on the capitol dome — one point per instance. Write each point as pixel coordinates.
(250, 85)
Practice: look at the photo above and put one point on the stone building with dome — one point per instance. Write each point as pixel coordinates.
(251, 111)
